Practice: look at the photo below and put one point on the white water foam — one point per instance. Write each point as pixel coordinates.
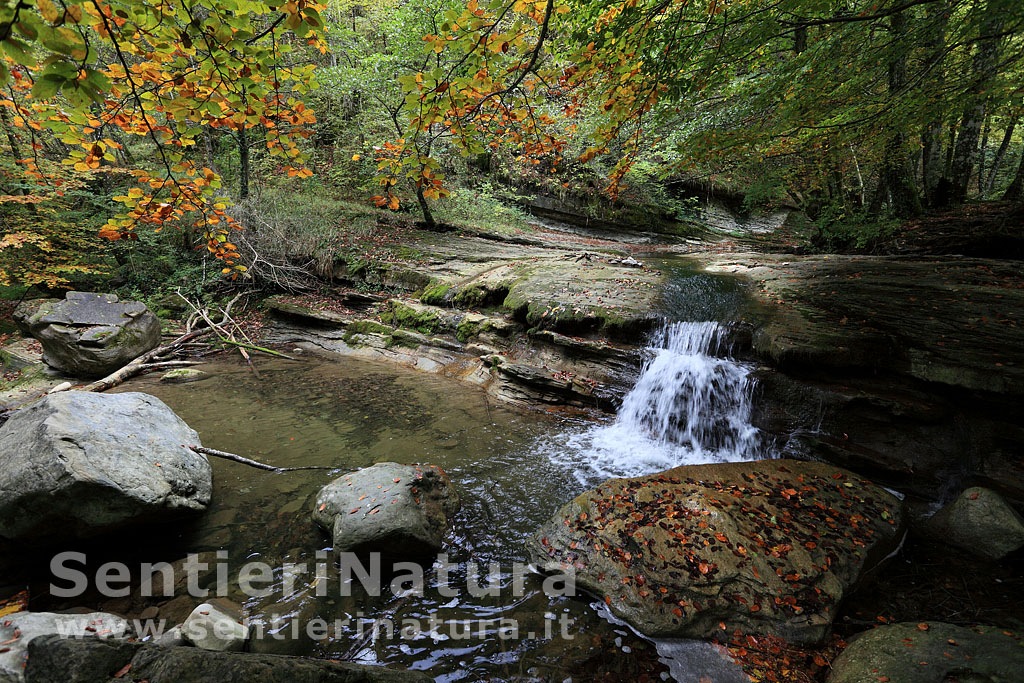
(691, 405)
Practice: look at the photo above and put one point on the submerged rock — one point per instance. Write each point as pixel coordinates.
(183, 375)
(980, 522)
(766, 547)
(88, 334)
(18, 630)
(392, 508)
(79, 463)
(89, 660)
(931, 651)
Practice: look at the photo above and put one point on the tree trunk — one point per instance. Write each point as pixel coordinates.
(1015, 192)
(981, 153)
(428, 217)
(932, 168)
(16, 151)
(800, 40)
(983, 66)
(897, 174)
(990, 182)
(243, 163)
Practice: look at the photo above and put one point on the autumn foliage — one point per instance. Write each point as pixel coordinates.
(91, 75)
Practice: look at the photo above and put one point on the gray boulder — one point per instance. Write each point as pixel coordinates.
(980, 522)
(79, 463)
(392, 508)
(88, 334)
(931, 652)
(19, 629)
(210, 627)
(91, 660)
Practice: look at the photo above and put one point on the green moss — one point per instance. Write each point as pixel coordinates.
(468, 329)
(425, 322)
(471, 297)
(435, 293)
(367, 327)
(358, 327)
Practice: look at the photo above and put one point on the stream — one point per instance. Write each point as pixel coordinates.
(512, 467)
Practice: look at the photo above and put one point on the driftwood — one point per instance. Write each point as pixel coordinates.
(253, 463)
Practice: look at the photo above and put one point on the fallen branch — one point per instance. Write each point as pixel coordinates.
(259, 348)
(139, 364)
(253, 463)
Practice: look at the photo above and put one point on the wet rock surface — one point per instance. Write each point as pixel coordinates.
(931, 651)
(19, 630)
(388, 507)
(79, 464)
(979, 521)
(88, 334)
(92, 660)
(766, 547)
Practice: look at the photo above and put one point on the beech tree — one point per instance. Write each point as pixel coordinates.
(88, 74)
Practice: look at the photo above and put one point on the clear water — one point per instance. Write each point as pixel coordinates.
(348, 414)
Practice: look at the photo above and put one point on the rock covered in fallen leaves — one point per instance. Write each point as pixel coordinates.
(931, 651)
(766, 547)
(88, 334)
(980, 522)
(79, 463)
(388, 507)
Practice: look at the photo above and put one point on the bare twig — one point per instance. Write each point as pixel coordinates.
(253, 463)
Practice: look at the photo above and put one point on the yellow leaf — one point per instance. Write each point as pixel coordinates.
(355, 157)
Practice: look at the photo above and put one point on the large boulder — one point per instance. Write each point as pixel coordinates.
(91, 660)
(931, 652)
(766, 547)
(21, 628)
(980, 522)
(81, 463)
(88, 334)
(391, 508)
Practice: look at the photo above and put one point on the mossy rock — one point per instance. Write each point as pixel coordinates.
(183, 375)
(436, 293)
(423, 319)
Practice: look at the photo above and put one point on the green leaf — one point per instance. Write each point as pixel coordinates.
(47, 86)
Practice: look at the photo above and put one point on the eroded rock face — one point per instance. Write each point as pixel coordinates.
(88, 334)
(79, 463)
(980, 522)
(931, 651)
(766, 547)
(392, 508)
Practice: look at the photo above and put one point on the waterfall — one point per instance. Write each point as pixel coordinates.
(690, 405)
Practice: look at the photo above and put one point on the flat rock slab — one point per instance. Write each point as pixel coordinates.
(79, 463)
(766, 547)
(92, 660)
(388, 507)
(931, 652)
